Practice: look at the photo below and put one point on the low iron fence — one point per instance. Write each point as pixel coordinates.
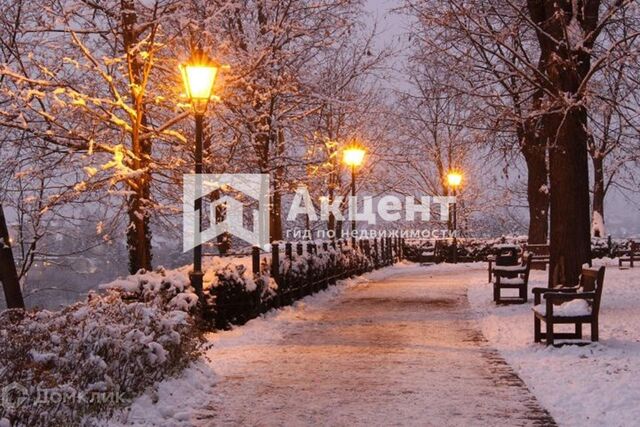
(292, 271)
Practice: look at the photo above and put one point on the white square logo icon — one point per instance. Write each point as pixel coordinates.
(198, 186)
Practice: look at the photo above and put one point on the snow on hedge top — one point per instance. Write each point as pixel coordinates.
(175, 286)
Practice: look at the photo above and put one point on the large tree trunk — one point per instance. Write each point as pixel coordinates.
(597, 223)
(275, 217)
(566, 67)
(8, 273)
(265, 139)
(569, 177)
(138, 231)
(534, 151)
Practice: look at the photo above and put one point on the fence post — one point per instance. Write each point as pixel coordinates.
(255, 260)
(396, 245)
(395, 249)
(366, 252)
(325, 249)
(299, 248)
(288, 251)
(392, 249)
(375, 251)
(311, 249)
(386, 251)
(383, 251)
(275, 262)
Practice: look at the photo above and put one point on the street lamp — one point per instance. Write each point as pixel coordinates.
(454, 179)
(353, 156)
(199, 75)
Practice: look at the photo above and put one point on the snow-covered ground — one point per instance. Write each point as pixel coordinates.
(595, 385)
(401, 346)
(397, 347)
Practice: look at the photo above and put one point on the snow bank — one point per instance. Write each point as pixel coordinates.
(580, 386)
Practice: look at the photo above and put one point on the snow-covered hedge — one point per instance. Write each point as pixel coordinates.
(477, 249)
(93, 356)
(238, 297)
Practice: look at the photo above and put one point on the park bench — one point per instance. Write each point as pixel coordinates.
(428, 253)
(431, 254)
(575, 305)
(541, 255)
(632, 255)
(512, 277)
(506, 255)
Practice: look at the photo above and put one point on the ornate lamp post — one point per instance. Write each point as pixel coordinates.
(454, 179)
(199, 76)
(353, 156)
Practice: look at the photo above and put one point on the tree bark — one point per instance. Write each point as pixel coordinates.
(8, 273)
(534, 151)
(138, 231)
(275, 217)
(566, 128)
(569, 177)
(598, 194)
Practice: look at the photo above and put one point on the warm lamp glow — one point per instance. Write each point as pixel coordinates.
(199, 80)
(199, 76)
(454, 179)
(354, 156)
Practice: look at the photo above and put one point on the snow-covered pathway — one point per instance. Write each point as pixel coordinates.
(402, 351)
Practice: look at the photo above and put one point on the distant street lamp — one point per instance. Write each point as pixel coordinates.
(353, 156)
(199, 76)
(454, 179)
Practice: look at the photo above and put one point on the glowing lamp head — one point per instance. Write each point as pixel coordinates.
(199, 76)
(354, 155)
(454, 179)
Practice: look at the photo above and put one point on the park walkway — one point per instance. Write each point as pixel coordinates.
(402, 351)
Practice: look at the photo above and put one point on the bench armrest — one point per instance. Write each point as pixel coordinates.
(563, 297)
(537, 292)
(501, 271)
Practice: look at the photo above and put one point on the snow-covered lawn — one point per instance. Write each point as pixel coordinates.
(595, 385)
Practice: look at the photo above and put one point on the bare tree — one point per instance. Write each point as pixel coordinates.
(551, 50)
